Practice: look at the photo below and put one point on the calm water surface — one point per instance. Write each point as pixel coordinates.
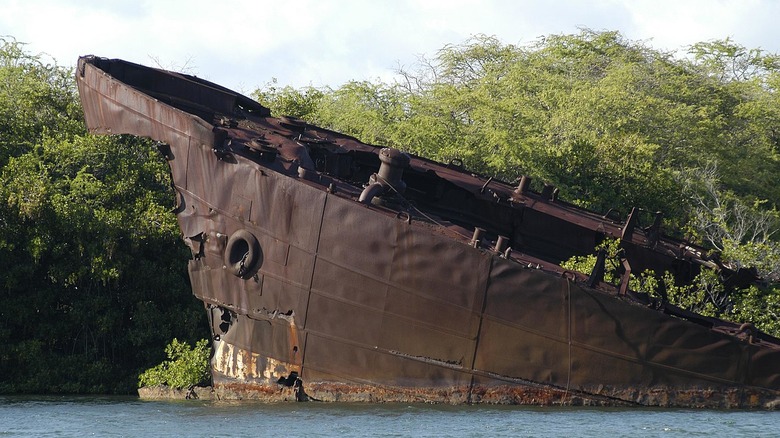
(120, 416)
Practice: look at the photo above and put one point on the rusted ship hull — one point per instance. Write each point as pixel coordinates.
(428, 284)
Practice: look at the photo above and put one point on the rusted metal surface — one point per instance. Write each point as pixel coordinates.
(338, 271)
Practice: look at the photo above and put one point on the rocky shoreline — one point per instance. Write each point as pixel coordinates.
(164, 392)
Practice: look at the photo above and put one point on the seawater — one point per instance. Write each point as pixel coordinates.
(26, 416)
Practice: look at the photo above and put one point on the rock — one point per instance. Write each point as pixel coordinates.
(164, 392)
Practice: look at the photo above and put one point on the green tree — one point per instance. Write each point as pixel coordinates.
(36, 99)
(288, 101)
(184, 367)
(95, 281)
(746, 83)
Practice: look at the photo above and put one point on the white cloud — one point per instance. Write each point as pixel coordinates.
(242, 44)
(674, 24)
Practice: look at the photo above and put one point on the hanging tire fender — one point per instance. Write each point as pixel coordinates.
(243, 255)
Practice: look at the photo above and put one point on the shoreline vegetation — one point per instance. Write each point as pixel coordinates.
(96, 287)
(185, 367)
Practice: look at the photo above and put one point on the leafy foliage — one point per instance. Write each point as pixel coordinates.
(94, 284)
(184, 367)
(36, 99)
(705, 295)
(760, 306)
(287, 101)
(612, 265)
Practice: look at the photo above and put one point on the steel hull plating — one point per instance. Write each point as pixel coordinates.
(315, 293)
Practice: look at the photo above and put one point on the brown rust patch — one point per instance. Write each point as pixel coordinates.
(270, 393)
(733, 398)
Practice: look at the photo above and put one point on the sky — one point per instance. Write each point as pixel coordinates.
(247, 44)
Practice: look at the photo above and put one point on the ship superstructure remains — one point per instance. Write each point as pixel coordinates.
(339, 271)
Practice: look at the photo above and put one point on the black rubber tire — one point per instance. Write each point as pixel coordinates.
(243, 255)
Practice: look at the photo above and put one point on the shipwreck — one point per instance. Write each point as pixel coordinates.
(335, 270)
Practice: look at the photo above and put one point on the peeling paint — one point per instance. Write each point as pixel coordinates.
(238, 364)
